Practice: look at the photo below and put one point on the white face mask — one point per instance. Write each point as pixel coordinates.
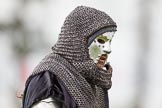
(101, 45)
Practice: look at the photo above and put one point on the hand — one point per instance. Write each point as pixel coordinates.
(109, 70)
(105, 68)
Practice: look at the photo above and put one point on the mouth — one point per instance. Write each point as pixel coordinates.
(103, 56)
(101, 61)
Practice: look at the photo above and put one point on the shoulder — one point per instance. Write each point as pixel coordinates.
(37, 78)
(39, 87)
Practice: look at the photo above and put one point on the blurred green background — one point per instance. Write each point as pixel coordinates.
(28, 29)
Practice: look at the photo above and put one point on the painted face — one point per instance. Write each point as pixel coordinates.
(101, 45)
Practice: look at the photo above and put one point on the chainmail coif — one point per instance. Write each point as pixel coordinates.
(70, 60)
(79, 25)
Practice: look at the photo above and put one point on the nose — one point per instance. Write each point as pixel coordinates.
(107, 48)
(107, 52)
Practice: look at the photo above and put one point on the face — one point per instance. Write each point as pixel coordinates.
(101, 45)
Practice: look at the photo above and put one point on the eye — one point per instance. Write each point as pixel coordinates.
(101, 41)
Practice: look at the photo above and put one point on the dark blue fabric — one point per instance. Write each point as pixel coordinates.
(106, 99)
(42, 86)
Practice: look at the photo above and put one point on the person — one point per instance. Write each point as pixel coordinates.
(71, 76)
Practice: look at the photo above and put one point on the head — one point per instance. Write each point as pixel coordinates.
(81, 28)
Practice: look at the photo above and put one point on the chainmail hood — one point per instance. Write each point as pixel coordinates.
(82, 23)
